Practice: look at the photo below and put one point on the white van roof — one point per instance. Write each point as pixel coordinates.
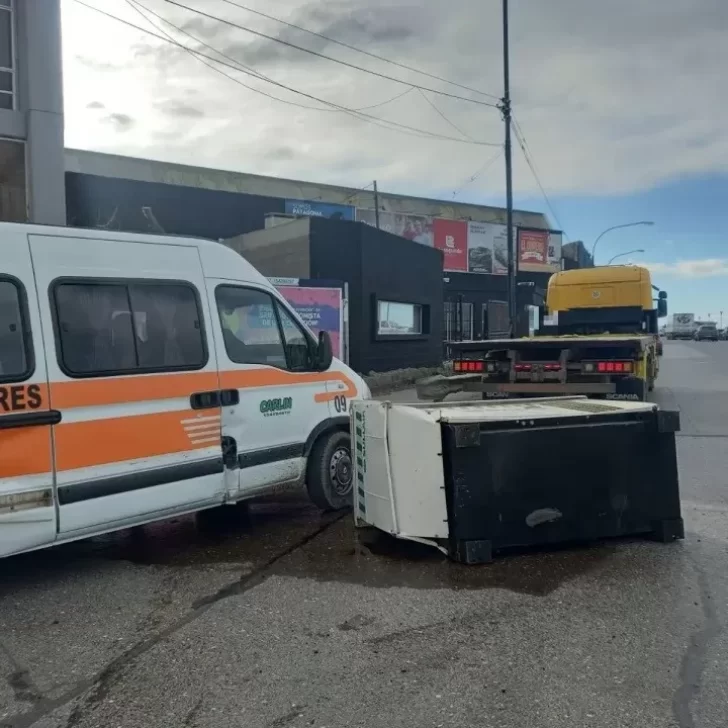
(218, 261)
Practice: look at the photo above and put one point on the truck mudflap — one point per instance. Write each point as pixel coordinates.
(437, 388)
(483, 478)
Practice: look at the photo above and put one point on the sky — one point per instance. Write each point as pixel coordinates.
(622, 104)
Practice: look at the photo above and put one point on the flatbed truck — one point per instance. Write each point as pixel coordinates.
(599, 337)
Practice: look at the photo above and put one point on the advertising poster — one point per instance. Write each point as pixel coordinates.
(451, 236)
(487, 248)
(319, 209)
(555, 247)
(539, 251)
(413, 227)
(321, 309)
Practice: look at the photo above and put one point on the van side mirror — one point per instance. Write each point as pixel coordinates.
(324, 352)
(661, 307)
(662, 294)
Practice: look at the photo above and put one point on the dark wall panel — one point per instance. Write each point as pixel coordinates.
(395, 269)
(117, 204)
(378, 265)
(478, 289)
(335, 254)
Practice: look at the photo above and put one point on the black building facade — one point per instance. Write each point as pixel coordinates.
(133, 206)
(395, 285)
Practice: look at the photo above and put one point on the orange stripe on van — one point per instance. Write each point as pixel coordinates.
(100, 442)
(25, 451)
(268, 377)
(117, 390)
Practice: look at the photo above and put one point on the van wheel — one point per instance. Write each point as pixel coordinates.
(330, 475)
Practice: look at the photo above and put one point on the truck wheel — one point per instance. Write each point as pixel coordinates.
(330, 472)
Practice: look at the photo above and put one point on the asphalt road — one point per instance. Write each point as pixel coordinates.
(277, 622)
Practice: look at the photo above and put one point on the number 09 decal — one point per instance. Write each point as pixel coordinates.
(340, 403)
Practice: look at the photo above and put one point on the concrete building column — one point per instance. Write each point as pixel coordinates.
(38, 115)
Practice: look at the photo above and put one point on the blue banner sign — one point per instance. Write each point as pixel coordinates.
(319, 209)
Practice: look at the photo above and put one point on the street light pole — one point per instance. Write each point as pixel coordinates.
(621, 255)
(506, 111)
(617, 227)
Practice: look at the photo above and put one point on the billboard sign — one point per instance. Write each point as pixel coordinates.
(488, 248)
(412, 227)
(539, 251)
(321, 309)
(304, 208)
(451, 237)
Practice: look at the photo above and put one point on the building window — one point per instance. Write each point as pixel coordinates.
(458, 321)
(111, 328)
(7, 50)
(16, 361)
(13, 204)
(399, 319)
(258, 330)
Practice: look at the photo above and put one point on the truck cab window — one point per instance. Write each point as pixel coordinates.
(14, 356)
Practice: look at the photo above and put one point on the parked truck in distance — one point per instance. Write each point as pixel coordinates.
(599, 337)
(681, 326)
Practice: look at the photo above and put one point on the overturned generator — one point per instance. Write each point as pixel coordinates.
(474, 479)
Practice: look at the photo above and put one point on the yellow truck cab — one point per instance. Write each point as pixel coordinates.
(604, 300)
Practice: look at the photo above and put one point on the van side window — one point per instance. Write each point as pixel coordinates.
(16, 362)
(107, 328)
(258, 330)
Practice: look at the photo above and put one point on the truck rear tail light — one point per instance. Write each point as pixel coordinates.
(468, 366)
(523, 367)
(552, 367)
(610, 367)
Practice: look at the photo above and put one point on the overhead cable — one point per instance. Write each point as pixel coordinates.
(377, 57)
(377, 121)
(273, 39)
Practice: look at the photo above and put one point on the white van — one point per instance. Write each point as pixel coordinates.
(144, 376)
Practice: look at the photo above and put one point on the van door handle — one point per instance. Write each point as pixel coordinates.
(205, 400)
(30, 419)
(229, 397)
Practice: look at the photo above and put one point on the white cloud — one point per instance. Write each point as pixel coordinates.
(701, 268)
(612, 97)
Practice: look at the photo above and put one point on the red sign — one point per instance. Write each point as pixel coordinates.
(451, 236)
(533, 250)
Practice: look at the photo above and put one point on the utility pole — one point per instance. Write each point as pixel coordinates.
(506, 111)
(376, 205)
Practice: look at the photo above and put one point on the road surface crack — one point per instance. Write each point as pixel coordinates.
(694, 660)
(100, 685)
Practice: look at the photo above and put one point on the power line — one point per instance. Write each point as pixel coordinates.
(324, 56)
(532, 166)
(477, 174)
(139, 8)
(377, 121)
(449, 121)
(361, 50)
